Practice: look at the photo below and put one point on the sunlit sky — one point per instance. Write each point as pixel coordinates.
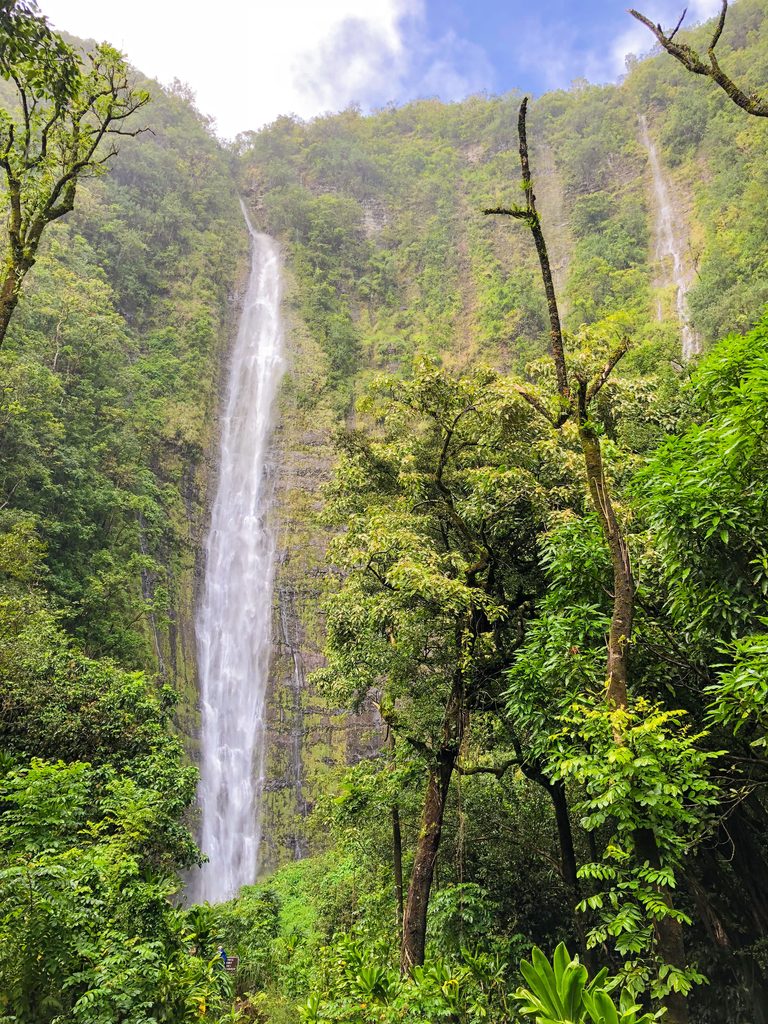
(248, 61)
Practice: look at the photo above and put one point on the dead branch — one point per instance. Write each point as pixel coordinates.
(607, 370)
(752, 102)
(531, 217)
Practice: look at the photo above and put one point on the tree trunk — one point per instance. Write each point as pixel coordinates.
(569, 867)
(397, 865)
(671, 945)
(623, 583)
(440, 772)
(397, 852)
(9, 298)
(556, 793)
(415, 918)
(564, 835)
(747, 857)
(668, 932)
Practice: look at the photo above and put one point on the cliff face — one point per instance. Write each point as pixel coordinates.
(192, 470)
(306, 738)
(389, 257)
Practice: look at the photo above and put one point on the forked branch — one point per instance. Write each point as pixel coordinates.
(752, 102)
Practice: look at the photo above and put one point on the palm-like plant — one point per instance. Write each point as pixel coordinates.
(560, 993)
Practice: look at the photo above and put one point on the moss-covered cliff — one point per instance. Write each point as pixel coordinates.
(120, 340)
(388, 255)
(306, 737)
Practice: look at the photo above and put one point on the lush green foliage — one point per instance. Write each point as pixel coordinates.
(471, 591)
(640, 774)
(559, 993)
(87, 931)
(107, 372)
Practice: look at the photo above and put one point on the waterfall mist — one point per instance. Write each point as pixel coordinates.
(235, 616)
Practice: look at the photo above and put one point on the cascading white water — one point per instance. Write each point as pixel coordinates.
(235, 616)
(667, 248)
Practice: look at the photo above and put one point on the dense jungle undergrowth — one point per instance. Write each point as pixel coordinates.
(545, 531)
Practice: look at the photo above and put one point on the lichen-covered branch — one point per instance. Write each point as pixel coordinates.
(752, 102)
(530, 215)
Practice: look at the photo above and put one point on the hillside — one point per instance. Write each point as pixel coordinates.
(471, 748)
(389, 257)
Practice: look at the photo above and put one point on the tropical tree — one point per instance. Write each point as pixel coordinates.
(442, 511)
(64, 107)
(578, 381)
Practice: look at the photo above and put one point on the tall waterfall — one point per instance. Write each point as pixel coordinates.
(668, 251)
(235, 615)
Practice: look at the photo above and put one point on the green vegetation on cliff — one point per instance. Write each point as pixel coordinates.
(625, 810)
(108, 393)
(519, 691)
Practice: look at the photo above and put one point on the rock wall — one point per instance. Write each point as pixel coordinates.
(307, 739)
(193, 469)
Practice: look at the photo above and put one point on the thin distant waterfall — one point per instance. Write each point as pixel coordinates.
(668, 251)
(235, 616)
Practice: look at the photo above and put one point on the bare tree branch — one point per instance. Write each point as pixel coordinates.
(617, 354)
(752, 102)
(531, 217)
(676, 29)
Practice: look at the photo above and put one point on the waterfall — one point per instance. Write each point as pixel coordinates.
(668, 251)
(235, 616)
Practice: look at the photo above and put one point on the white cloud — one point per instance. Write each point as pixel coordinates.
(552, 52)
(700, 10)
(351, 65)
(638, 40)
(248, 62)
(449, 67)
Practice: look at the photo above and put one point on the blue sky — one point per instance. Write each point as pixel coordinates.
(546, 44)
(257, 59)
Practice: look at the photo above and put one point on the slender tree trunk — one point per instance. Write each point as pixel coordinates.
(557, 348)
(9, 298)
(427, 846)
(623, 583)
(667, 931)
(556, 792)
(564, 835)
(748, 861)
(397, 852)
(397, 864)
(569, 866)
(428, 843)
